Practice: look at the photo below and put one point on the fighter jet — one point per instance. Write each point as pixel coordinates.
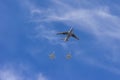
(68, 56)
(52, 55)
(68, 34)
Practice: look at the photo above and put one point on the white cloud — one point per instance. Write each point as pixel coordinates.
(97, 21)
(7, 73)
(41, 77)
(19, 72)
(45, 32)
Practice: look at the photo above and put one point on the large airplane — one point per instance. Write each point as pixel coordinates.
(69, 34)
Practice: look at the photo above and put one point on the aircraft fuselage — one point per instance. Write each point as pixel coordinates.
(69, 34)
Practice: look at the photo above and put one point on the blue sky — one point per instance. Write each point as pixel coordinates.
(28, 35)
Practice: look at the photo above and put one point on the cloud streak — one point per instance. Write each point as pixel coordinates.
(98, 21)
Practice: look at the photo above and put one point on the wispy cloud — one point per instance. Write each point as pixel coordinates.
(48, 33)
(8, 75)
(41, 77)
(97, 21)
(107, 65)
(11, 72)
(8, 72)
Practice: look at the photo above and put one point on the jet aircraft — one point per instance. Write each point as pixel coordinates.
(52, 55)
(68, 34)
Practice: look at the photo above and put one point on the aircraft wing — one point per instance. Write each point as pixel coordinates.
(64, 33)
(73, 35)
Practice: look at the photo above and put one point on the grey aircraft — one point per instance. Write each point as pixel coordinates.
(68, 34)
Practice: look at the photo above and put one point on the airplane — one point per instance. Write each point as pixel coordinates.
(68, 34)
(68, 56)
(52, 55)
